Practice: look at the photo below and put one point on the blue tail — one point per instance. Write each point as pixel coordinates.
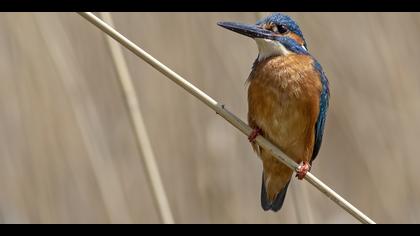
(278, 202)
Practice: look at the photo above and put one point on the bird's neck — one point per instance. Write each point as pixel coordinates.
(269, 48)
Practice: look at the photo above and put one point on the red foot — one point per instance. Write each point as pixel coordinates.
(254, 134)
(303, 170)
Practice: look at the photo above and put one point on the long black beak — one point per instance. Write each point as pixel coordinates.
(253, 31)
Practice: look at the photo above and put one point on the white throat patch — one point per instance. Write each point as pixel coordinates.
(268, 48)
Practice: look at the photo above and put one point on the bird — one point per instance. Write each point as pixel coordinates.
(288, 100)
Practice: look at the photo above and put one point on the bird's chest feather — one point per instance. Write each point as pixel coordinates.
(283, 99)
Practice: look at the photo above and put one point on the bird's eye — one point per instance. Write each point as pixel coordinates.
(281, 29)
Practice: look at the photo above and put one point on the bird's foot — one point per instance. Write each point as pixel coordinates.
(302, 170)
(254, 134)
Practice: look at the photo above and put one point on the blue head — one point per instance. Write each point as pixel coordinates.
(277, 34)
(284, 24)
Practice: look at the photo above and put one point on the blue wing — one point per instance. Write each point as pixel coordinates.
(323, 109)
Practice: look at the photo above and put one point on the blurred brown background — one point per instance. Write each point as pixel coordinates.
(68, 151)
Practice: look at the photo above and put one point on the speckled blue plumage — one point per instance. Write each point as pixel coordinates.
(323, 109)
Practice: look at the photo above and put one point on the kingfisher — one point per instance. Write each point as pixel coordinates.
(288, 99)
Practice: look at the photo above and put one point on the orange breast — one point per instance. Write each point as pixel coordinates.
(283, 99)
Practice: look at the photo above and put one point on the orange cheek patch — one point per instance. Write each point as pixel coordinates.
(296, 37)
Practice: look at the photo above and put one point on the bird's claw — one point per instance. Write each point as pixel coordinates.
(254, 134)
(302, 170)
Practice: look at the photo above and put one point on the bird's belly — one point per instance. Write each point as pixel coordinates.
(282, 118)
